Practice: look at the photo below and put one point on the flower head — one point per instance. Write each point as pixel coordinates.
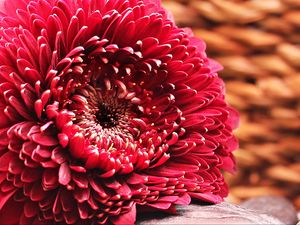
(106, 108)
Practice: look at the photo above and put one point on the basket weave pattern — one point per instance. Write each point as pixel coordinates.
(258, 43)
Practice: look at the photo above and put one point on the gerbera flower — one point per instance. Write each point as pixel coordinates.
(106, 109)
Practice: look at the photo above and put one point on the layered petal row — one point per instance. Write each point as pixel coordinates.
(107, 109)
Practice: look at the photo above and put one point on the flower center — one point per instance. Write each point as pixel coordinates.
(106, 116)
(100, 113)
(109, 127)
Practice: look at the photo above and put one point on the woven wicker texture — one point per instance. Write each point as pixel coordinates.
(258, 43)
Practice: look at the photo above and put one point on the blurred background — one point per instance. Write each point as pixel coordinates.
(258, 43)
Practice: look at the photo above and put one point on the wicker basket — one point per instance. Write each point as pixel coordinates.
(258, 43)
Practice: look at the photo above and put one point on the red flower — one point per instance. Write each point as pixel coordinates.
(106, 107)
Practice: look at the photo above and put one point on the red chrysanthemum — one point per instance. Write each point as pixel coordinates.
(106, 107)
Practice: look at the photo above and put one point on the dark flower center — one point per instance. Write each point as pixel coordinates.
(106, 116)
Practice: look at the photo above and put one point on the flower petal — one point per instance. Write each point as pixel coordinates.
(126, 218)
(64, 174)
(4, 197)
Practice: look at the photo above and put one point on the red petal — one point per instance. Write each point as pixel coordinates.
(79, 169)
(30, 209)
(80, 180)
(168, 199)
(50, 180)
(5, 160)
(2, 177)
(92, 161)
(112, 183)
(67, 201)
(43, 152)
(15, 166)
(81, 195)
(161, 160)
(63, 118)
(28, 147)
(63, 140)
(4, 197)
(160, 205)
(77, 145)
(56, 209)
(97, 186)
(44, 139)
(38, 106)
(127, 218)
(30, 175)
(228, 163)
(7, 186)
(185, 199)
(83, 211)
(58, 155)
(25, 220)
(11, 212)
(19, 107)
(136, 179)
(3, 136)
(214, 66)
(124, 190)
(64, 174)
(108, 173)
(37, 193)
(71, 217)
(233, 119)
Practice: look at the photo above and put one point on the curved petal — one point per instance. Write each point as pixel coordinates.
(11, 212)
